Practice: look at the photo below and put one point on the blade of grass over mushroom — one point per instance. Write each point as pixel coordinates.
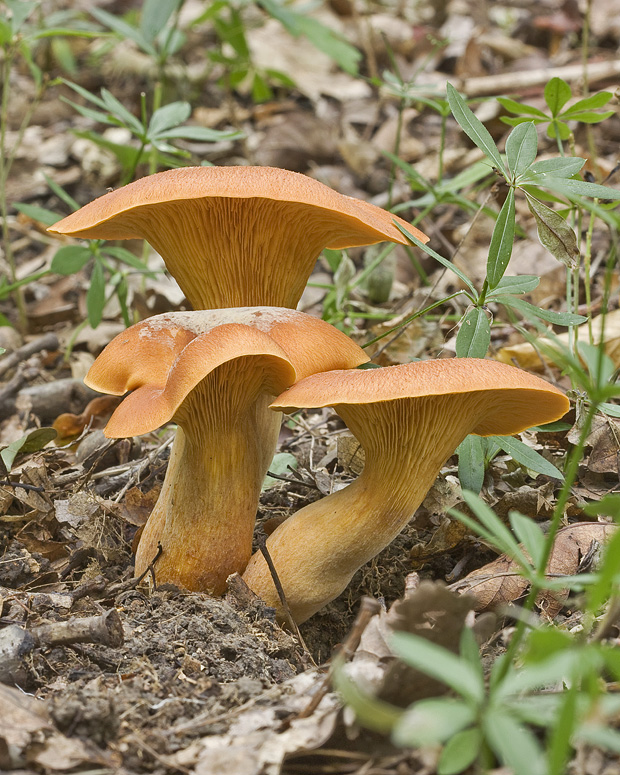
(409, 419)
(236, 236)
(213, 372)
(433, 254)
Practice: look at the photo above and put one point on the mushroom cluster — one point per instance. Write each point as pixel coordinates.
(241, 242)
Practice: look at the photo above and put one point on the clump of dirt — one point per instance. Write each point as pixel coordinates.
(185, 655)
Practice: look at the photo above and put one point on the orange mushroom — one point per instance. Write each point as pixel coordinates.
(409, 419)
(235, 236)
(214, 373)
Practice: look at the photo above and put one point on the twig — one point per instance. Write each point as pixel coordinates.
(368, 608)
(47, 342)
(290, 622)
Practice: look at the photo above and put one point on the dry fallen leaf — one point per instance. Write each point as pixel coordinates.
(499, 582)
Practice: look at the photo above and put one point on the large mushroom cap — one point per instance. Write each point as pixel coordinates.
(233, 236)
(164, 357)
(514, 399)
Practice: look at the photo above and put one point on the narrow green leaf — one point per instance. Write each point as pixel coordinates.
(20, 11)
(514, 745)
(169, 116)
(41, 214)
(438, 663)
(70, 259)
(608, 505)
(502, 537)
(590, 116)
(123, 29)
(557, 94)
(471, 463)
(502, 241)
(201, 134)
(460, 752)
(554, 233)
(119, 111)
(530, 312)
(95, 296)
(523, 283)
(61, 193)
(369, 711)
(473, 127)
(530, 535)
(31, 442)
(527, 456)
(432, 721)
(520, 108)
(521, 148)
(474, 336)
(601, 367)
(572, 187)
(281, 464)
(155, 15)
(443, 261)
(595, 101)
(560, 167)
(124, 255)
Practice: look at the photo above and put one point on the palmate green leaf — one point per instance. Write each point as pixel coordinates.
(554, 233)
(521, 148)
(513, 744)
(95, 296)
(70, 259)
(557, 94)
(473, 127)
(471, 463)
(527, 456)
(432, 721)
(502, 241)
(474, 336)
(529, 534)
(439, 663)
(460, 752)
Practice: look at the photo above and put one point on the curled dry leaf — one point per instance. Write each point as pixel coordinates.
(499, 582)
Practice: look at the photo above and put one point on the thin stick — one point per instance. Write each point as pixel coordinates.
(291, 623)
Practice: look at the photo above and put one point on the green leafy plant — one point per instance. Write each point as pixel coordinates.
(557, 94)
(154, 135)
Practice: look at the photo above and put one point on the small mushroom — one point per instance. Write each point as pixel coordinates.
(235, 236)
(409, 420)
(214, 373)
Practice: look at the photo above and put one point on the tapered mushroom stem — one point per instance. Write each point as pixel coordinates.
(317, 551)
(214, 373)
(409, 419)
(204, 517)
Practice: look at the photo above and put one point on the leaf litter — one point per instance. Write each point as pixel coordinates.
(206, 686)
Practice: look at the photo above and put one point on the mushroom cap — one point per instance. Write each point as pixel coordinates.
(164, 357)
(110, 216)
(516, 399)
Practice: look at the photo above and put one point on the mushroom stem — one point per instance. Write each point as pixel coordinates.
(317, 550)
(217, 460)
